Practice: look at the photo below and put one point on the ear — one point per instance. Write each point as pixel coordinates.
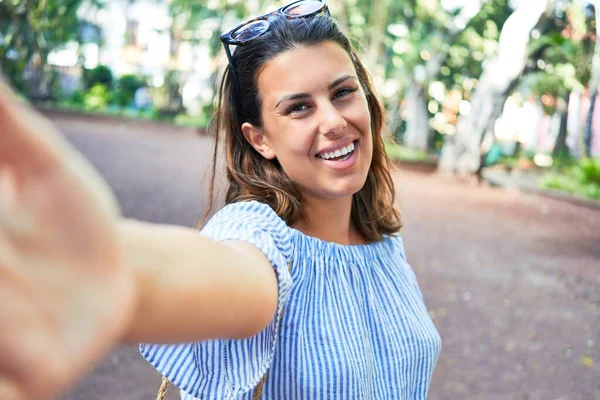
(257, 139)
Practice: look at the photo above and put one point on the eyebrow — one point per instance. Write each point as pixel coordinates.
(299, 96)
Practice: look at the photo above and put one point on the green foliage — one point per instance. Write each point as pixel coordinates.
(125, 89)
(29, 31)
(76, 99)
(476, 43)
(101, 75)
(561, 57)
(202, 20)
(97, 97)
(200, 121)
(588, 171)
(581, 179)
(397, 153)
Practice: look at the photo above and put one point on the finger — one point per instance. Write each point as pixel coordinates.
(21, 144)
(31, 145)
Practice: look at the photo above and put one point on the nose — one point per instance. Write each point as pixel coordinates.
(331, 120)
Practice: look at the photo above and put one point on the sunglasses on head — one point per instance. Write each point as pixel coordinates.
(251, 29)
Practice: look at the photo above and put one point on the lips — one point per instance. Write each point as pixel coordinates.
(343, 163)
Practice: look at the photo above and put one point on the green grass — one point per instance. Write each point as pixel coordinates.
(566, 184)
(144, 115)
(200, 121)
(397, 152)
(580, 179)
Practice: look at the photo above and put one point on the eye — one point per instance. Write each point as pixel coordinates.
(297, 108)
(343, 92)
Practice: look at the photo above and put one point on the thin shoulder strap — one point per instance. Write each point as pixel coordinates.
(162, 391)
(256, 395)
(258, 390)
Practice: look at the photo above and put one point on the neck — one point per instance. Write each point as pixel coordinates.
(330, 220)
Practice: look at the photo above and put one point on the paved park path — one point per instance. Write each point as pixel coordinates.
(512, 280)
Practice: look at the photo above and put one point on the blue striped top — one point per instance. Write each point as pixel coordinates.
(355, 325)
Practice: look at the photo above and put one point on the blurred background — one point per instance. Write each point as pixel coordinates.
(454, 74)
(502, 95)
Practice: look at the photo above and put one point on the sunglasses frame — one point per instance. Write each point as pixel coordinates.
(228, 40)
(227, 37)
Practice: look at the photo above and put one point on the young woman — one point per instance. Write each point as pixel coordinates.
(302, 276)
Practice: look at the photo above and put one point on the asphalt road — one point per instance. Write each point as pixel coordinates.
(512, 280)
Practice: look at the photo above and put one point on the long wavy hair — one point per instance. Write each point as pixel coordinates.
(252, 177)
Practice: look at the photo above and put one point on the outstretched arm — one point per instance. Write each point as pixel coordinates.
(191, 288)
(75, 278)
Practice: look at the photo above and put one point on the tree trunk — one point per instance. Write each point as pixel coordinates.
(594, 82)
(417, 134)
(461, 152)
(587, 133)
(560, 146)
(377, 25)
(37, 82)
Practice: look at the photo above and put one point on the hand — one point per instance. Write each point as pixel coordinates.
(65, 295)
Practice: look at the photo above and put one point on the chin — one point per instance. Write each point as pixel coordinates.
(342, 188)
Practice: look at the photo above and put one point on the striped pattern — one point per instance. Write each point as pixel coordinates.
(355, 325)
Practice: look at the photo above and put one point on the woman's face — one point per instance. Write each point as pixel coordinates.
(316, 120)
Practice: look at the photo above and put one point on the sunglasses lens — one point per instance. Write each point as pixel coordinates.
(250, 31)
(303, 8)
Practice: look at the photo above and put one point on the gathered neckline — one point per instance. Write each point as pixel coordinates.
(326, 242)
(313, 246)
(333, 249)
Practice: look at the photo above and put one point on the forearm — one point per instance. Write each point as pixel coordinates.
(191, 288)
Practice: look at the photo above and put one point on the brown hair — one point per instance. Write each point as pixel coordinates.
(252, 177)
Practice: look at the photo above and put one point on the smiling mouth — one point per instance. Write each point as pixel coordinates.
(339, 155)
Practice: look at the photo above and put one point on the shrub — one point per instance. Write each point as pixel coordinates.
(125, 89)
(101, 75)
(589, 170)
(581, 179)
(96, 98)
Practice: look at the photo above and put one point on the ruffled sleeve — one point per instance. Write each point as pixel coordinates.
(225, 369)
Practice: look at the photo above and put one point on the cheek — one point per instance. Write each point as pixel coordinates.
(295, 138)
(359, 115)
(293, 152)
(295, 145)
(365, 117)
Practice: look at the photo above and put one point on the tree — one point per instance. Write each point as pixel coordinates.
(461, 152)
(559, 66)
(418, 135)
(378, 21)
(593, 85)
(29, 31)
(203, 22)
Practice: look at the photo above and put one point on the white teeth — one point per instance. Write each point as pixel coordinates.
(348, 149)
(337, 153)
